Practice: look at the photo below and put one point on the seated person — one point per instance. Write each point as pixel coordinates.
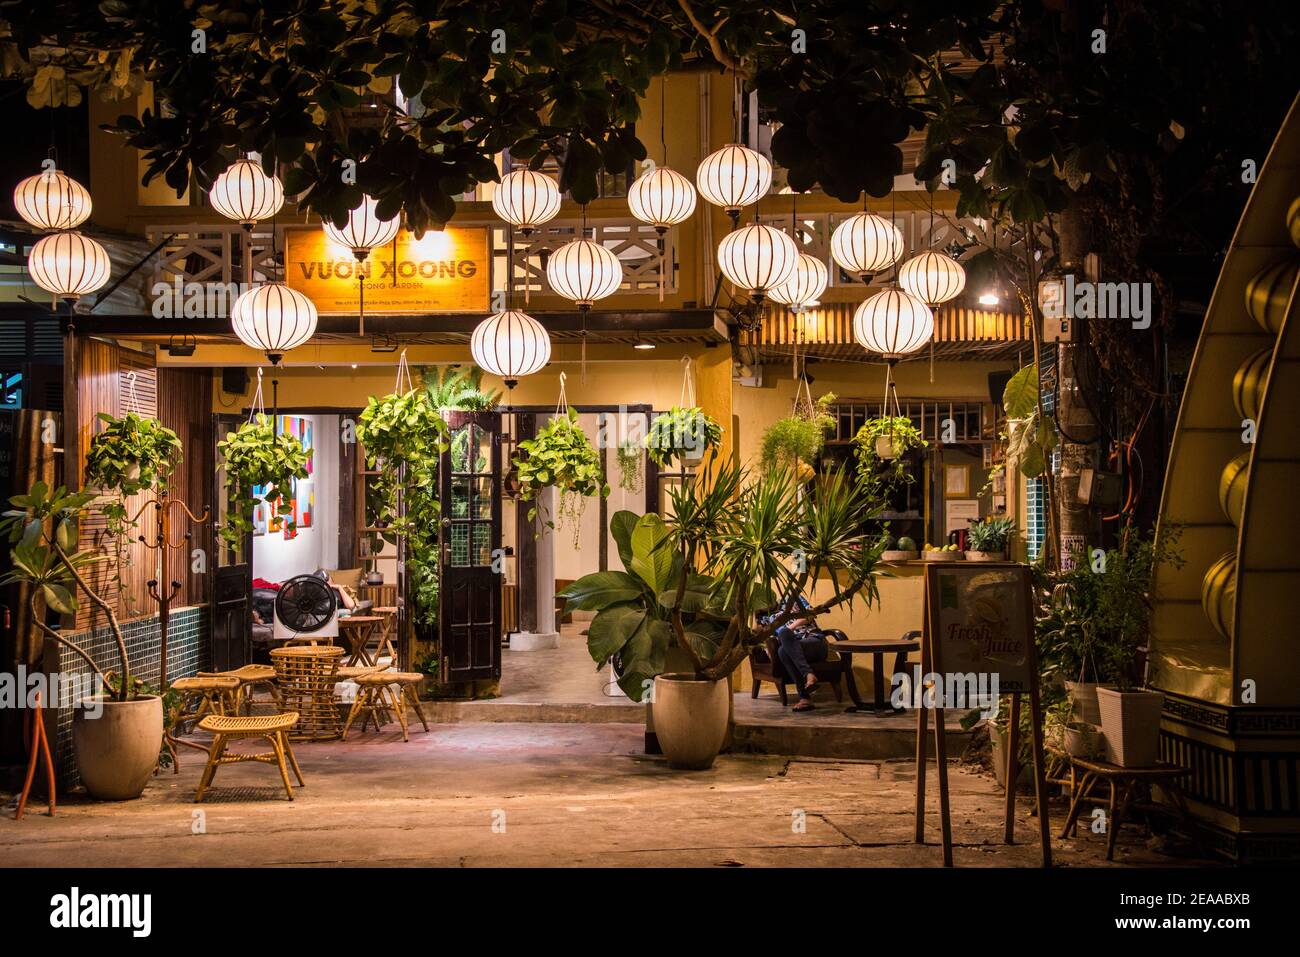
(801, 644)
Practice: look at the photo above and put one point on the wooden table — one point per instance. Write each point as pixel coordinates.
(1120, 782)
(358, 629)
(389, 614)
(877, 648)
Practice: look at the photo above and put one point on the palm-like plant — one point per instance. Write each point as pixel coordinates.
(736, 545)
(456, 387)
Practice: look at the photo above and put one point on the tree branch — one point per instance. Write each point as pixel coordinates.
(711, 35)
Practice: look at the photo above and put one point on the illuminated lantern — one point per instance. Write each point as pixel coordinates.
(734, 177)
(273, 318)
(757, 258)
(364, 230)
(893, 323)
(510, 345)
(68, 264)
(661, 197)
(526, 200)
(52, 200)
(805, 286)
(866, 243)
(932, 277)
(583, 270)
(246, 194)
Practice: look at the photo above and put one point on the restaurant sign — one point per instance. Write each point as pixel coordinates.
(447, 271)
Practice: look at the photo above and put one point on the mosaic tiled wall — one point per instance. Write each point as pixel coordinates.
(188, 649)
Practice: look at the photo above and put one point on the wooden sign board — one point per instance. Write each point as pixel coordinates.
(982, 622)
(979, 621)
(441, 272)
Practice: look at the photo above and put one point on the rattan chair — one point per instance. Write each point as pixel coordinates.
(306, 675)
(377, 699)
(273, 727)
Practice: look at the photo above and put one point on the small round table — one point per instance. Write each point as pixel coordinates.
(877, 648)
(358, 629)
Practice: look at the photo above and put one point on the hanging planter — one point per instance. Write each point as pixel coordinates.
(256, 455)
(561, 456)
(630, 466)
(882, 445)
(796, 440)
(684, 432)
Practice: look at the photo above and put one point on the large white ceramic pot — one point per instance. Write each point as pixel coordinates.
(118, 750)
(1130, 723)
(691, 719)
(1083, 700)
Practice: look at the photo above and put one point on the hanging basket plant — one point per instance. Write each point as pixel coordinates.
(685, 434)
(256, 455)
(129, 455)
(561, 456)
(799, 438)
(882, 445)
(630, 466)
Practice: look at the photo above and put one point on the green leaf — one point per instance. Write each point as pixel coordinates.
(652, 560)
(621, 526)
(1020, 397)
(612, 628)
(59, 598)
(599, 590)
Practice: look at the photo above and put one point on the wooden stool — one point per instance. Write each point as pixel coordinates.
(1120, 782)
(386, 632)
(274, 727)
(307, 675)
(376, 698)
(206, 695)
(249, 677)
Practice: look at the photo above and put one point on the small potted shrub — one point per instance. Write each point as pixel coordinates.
(881, 447)
(631, 473)
(682, 434)
(117, 748)
(987, 540)
(796, 440)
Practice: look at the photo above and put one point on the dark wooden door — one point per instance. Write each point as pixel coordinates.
(470, 596)
(232, 574)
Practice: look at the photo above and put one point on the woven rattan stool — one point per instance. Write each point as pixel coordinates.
(249, 677)
(273, 727)
(200, 696)
(378, 699)
(306, 675)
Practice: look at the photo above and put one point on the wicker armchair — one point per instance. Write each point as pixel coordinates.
(766, 666)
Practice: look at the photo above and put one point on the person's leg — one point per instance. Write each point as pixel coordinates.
(791, 652)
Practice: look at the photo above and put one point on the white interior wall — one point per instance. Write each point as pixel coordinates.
(276, 558)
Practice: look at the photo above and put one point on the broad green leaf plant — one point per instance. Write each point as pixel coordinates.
(42, 530)
(737, 545)
(255, 454)
(1032, 434)
(561, 456)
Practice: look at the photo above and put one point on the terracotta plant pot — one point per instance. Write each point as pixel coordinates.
(690, 719)
(118, 751)
(1130, 722)
(986, 556)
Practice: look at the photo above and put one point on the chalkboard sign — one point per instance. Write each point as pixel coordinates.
(982, 622)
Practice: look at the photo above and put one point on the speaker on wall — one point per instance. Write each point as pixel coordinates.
(234, 381)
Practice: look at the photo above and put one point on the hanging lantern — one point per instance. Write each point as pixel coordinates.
(246, 194)
(932, 277)
(68, 264)
(583, 270)
(52, 200)
(510, 345)
(661, 197)
(364, 230)
(757, 257)
(866, 243)
(805, 286)
(273, 318)
(526, 200)
(893, 323)
(734, 177)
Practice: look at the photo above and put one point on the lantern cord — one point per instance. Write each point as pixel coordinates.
(361, 307)
(132, 403)
(258, 406)
(932, 335)
(403, 376)
(663, 114)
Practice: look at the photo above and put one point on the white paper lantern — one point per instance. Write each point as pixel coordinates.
(866, 243)
(52, 200)
(932, 277)
(526, 199)
(757, 257)
(734, 177)
(364, 230)
(273, 318)
(510, 345)
(68, 264)
(246, 194)
(893, 323)
(805, 286)
(583, 270)
(661, 197)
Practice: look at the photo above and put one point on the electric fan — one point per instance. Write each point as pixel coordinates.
(306, 607)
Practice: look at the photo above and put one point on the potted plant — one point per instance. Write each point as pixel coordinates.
(117, 750)
(631, 477)
(736, 545)
(797, 440)
(254, 455)
(681, 433)
(561, 456)
(987, 540)
(1094, 625)
(881, 447)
